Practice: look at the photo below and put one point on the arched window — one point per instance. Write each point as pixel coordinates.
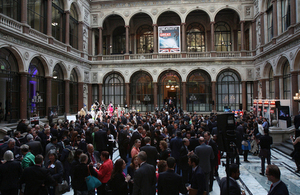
(73, 92)
(58, 90)
(195, 35)
(141, 92)
(36, 89)
(229, 90)
(222, 37)
(11, 8)
(9, 81)
(285, 14)
(286, 80)
(36, 14)
(199, 92)
(270, 20)
(58, 24)
(119, 40)
(271, 84)
(114, 90)
(144, 39)
(73, 27)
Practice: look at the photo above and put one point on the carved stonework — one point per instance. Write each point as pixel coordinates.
(85, 94)
(258, 32)
(26, 55)
(86, 77)
(182, 10)
(258, 73)
(69, 67)
(212, 9)
(213, 70)
(126, 13)
(126, 72)
(249, 73)
(95, 77)
(154, 11)
(256, 6)
(240, 7)
(101, 14)
(95, 18)
(291, 55)
(85, 38)
(51, 62)
(86, 16)
(183, 71)
(248, 11)
(154, 71)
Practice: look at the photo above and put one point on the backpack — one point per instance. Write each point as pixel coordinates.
(71, 155)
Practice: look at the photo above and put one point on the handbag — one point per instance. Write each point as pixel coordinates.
(62, 187)
(244, 143)
(91, 181)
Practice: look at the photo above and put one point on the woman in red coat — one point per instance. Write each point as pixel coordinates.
(104, 172)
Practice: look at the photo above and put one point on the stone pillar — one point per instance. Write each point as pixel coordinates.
(49, 18)
(254, 39)
(262, 28)
(212, 35)
(90, 96)
(276, 82)
(294, 91)
(155, 94)
(263, 88)
(100, 42)
(213, 94)
(23, 95)
(127, 85)
(183, 101)
(235, 40)
(183, 47)
(244, 95)
(293, 12)
(100, 93)
(155, 38)
(275, 23)
(127, 39)
(90, 41)
(80, 36)
(67, 96)
(242, 35)
(24, 16)
(255, 90)
(48, 94)
(131, 48)
(80, 95)
(67, 35)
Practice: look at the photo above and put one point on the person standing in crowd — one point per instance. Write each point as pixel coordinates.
(296, 152)
(10, 172)
(136, 147)
(50, 146)
(164, 152)
(169, 182)
(265, 143)
(297, 121)
(183, 158)
(66, 161)
(151, 152)
(93, 156)
(144, 178)
(134, 165)
(56, 170)
(175, 145)
(234, 188)
(197, 181)
(34, 146)
(277, 187)
(123, 141)
(36, 178)
(101, 139)
(104, 172)
(12, 147)
(118, 181)
(28, 159)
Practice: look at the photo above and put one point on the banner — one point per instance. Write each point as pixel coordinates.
(169, 39)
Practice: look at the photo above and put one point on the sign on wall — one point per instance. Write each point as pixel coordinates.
(169, 39)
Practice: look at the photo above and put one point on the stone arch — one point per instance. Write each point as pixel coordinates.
(199, 9)
(44, 62)
(165, 70)
(296, 61)
(63, 67)
(228, 7)
(18, 56)
(78, 9)
(141, 70)
(235, 70)
(78, 72)
(279, 64)
(111, 14)
(191, 71)
(112, 72)
(140, 12)
(170, 10)
(266, 69)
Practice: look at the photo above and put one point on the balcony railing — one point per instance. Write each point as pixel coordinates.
(228, 54)
(113, 57)
(11, 23)
(59, 45)
(198, 55)
(38, 35)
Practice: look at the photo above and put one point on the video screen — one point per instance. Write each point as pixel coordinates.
(283, 112)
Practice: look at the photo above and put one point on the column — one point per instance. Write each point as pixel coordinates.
(277, 92)
(155, 38)
(235, 40)
(90, 95)
(255, 90)
(275, 23)
(49, 17)
(183, 101)
(100, 42)
(127, 39)
(67, 35)
(244, 95)
(242, 35)
(67, 96)
(212, 35)
(24, 16)
(155, 94)
(213, 94)
(127, 94)
(80, 95)
(183, 47)
(90, 48)
(293, 12)
(48, 94)
(80, 36)
(254, 41)
(263, 88)
(131, 48)
(262, 28)
(294, 91)
(100, 93)
(23, 95)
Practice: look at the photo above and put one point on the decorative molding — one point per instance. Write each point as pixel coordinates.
(182, 10)
(154, 11)
(26, 55)
(212, 9)
(86, 77)
(126, 72)
(95, 76)
(126, 13)
(183, 71)
(154, 72)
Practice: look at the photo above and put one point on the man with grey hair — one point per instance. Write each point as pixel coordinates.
(10, 172)
(183, 159)
(144, 177)
(11, 146)
(28, 159)
(34, 146)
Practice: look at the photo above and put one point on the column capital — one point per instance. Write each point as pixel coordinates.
(253, 21)
(277, 77)
(183, 24)
(242, 22)
(154, 24)
(274, 1)
(67, 12)
(295, 72)
(48, 77)
(80, 22)
(213, 22)
(100, 28)
(127, 26)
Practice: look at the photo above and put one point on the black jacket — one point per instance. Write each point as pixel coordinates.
(80, 173)
(170, 183)
(10, 173)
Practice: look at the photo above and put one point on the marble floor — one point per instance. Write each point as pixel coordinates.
(251, 181)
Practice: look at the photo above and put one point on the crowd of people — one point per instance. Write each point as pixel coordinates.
(169, 151)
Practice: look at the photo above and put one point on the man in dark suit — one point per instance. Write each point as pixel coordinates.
(169, 182)
(277, 186)
(234, 188)
(205, 154)
(183, 158)
(10, 172)
(198, 178)
(11, 146)
(265, 143)
(151, 152)
(175, 145)
(297, 121)
(123, 141)
(34, 146)
(194, 142)
(37, 178)
(144, 177)
(22, 127)
(101, 139)
(93, 156)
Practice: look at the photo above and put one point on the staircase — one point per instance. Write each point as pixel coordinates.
(285, 147)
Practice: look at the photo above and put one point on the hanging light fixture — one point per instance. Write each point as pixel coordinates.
(168, 86)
